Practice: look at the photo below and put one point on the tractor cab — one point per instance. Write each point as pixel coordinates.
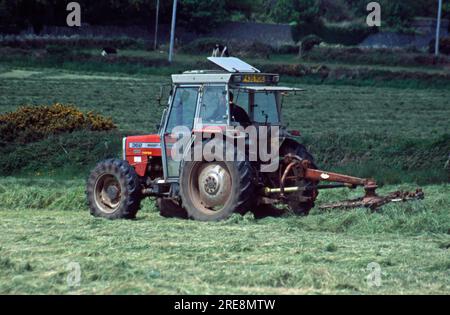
(237, 94)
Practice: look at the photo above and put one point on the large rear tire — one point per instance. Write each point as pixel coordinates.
(301, 202)
(213, 191)
(113, 190)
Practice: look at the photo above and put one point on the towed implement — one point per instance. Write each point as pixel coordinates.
(236, 111)
(301, 170)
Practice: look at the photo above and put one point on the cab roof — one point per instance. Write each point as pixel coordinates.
(233, 65)
(229, 65)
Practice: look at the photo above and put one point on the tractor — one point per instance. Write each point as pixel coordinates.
(221, 104)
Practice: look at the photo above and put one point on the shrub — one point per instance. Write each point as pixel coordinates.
(309, 42)
(33, 123)
(256, 49)
(301, 29)
(287, 49)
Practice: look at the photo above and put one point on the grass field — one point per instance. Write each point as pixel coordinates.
(399, 135)
(45, 227)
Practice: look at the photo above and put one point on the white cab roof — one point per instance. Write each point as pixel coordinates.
(270, 88)
(202, 78)
(233, 65)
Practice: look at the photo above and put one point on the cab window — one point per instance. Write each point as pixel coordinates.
(265, 108)
(183, 108)
(214, 105)
(241, 98)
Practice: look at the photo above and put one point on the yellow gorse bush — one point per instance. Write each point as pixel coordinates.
(31, 123)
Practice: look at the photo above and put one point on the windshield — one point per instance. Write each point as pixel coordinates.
(263, 104)
(214, 105)
(265, 108)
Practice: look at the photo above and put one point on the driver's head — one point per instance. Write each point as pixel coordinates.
(231, 97)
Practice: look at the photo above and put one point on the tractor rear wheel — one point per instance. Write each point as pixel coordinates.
(113, 190)
(301, 202)
(213, 191)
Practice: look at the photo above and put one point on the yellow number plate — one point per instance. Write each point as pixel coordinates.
(254, 79)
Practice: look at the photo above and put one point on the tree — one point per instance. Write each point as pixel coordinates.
(300, 11)
(246, 8)
(302, 15)
(336, 10)
(108, 12)
(201, 15)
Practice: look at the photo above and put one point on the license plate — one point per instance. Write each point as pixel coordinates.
(253, 79)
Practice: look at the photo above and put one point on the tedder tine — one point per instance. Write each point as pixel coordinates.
(375, 202)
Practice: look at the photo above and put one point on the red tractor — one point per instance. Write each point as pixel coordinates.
(213, 188)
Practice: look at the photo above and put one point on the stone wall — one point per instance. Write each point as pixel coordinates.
(426, 32)
(274, 34)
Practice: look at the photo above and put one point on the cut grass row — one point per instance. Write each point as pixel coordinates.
(320, 254)
(428, 216)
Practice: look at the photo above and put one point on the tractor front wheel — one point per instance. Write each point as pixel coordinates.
(113, 190)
